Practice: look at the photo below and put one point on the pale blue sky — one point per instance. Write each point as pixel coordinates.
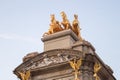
(23, 22)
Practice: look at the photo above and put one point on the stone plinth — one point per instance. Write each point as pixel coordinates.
(83, 46)
(60, 40)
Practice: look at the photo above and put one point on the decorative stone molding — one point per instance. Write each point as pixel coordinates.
(30, 55)
(49, 58)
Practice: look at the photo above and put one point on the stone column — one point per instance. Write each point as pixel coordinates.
(86, 69)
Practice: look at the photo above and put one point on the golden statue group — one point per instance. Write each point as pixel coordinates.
(55, 26)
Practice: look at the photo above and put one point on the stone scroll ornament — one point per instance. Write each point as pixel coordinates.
(76, 64)
(97, 67)
(24, 75)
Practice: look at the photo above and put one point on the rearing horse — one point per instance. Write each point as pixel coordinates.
(54, 26)
(65, 21)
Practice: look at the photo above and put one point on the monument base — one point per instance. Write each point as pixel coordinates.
(60, 40)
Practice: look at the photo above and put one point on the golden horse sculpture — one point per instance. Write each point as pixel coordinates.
(75, 64)
(54, 26)
(65, 22)
(24, 75)
(75, 27)
(97, 67)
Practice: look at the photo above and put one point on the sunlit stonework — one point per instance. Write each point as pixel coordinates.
(66, 56)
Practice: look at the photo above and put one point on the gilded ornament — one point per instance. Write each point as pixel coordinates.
(24, 75)
(97, 67)
(75, 26)
(65, 22)
(75, 64)
(54, 26)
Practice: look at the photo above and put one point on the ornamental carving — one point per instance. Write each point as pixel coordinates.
(48, 59)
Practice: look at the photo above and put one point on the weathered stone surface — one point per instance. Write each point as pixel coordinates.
(60, 40)
(30, 55)
(53, 63)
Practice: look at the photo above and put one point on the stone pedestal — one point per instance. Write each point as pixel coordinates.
(60, 40)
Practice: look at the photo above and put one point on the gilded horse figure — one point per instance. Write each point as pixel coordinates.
(65, 21)
(54, 26)
(75, 26)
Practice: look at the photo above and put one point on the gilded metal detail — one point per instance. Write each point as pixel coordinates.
(65, 22)
(75, 26)
(97, 67)
(55, 26)
(76, 64)
(24, 75)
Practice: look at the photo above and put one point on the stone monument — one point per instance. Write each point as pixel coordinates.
(66, 56)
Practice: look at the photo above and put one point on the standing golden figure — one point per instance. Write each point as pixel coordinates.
(75, 64)
(24, 75)
(54, 26)
(97, 67)
(65, 22)
(75, 27)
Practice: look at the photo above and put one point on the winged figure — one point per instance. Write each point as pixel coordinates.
(75, 64)
(24, 76)
(97, 67)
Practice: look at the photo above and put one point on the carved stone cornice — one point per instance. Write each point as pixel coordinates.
(104, 71)
(58, 59)
(60, 34)
(49, 58)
